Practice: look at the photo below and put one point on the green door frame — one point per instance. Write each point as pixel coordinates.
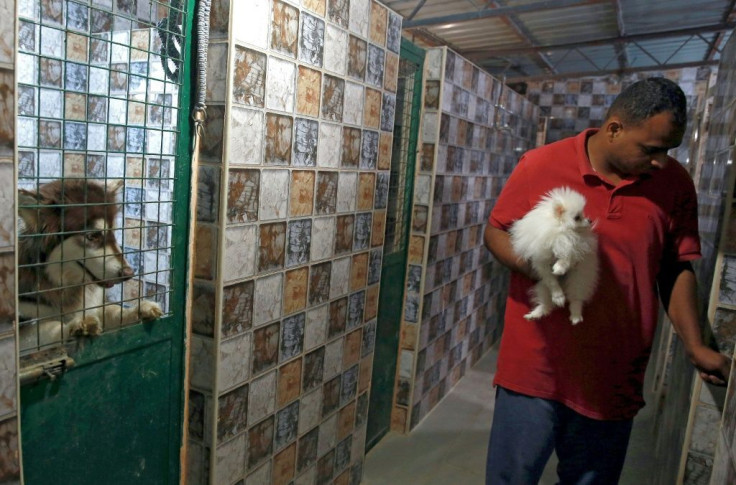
(393, 272)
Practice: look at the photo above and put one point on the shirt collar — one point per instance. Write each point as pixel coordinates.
(586, 169)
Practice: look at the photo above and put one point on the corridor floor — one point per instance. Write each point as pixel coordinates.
(449, 446)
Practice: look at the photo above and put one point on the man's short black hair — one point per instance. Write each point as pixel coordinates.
(649, 97)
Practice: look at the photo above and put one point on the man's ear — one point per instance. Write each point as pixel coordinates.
(613, 127)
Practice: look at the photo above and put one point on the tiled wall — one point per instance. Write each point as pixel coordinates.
(9, 459)
(289, 239)
(474, 130)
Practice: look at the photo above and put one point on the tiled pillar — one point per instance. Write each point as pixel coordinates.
(9, 459)
(454, 291)
(292, 211)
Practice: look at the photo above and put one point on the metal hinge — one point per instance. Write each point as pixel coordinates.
(46, 364)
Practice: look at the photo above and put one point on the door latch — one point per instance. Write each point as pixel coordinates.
(46, 364)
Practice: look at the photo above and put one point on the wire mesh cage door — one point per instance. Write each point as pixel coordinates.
(103, 190)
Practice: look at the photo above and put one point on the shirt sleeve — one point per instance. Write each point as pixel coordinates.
(513, 202)
(684, 241)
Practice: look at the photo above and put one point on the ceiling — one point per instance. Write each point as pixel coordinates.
(534, 39)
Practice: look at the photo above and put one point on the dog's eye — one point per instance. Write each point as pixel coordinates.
(94, 236)
(578, 218)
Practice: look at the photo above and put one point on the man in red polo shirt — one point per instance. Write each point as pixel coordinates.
(576, 388)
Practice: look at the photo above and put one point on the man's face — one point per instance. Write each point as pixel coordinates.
(640, 149)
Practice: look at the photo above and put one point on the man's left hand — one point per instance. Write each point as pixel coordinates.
(713, 366)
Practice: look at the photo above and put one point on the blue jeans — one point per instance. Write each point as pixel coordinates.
(526, 429)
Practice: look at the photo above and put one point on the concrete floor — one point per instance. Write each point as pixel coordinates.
(449, 446)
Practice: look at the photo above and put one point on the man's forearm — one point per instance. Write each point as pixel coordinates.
(498, 243)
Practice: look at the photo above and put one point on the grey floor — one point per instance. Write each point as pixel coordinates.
(449, 446)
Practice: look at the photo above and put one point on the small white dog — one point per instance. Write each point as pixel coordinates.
(559, 242)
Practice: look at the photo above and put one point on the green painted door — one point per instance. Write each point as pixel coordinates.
(396, 245)
(93, 75)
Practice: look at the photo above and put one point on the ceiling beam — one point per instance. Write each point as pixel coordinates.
(498, 12)
(599, 42)
(416, 9)
(628, 70)
(621, 55)
(716, 45)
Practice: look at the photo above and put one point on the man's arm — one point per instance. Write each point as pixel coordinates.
(678, 289)
(498, 243)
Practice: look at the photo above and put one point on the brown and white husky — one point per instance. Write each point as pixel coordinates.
(67, 257)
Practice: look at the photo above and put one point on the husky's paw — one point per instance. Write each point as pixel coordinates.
(537, 313)
(575, 319)
(559, 268)
(88, 326)
(558, 298)
(150, 310)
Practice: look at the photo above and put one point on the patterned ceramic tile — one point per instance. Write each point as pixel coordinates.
(369, 150)
(323, 238)
(273, 203)
(378, 24)
(216, 73)
(301, 195)
(326, 198)
(253, 21)
(284, 28)
(286, 425)
(330, 396)
(237, 308)
(265, 348)
(393, 34)
(338, 317)
(351, 350)
(362, 235)
(374, 266)
(242, 203)
(359, 271)
(356, 301)
(229, 458)
(332, 98)
(325, 467)
(336, 49)
(365, 373)
(246, 136)
(391, 74)
(338, 12)
(272, 242)
(289, 382)
(319, 283)
(351, 146)
(375, 66)
(232, 413)
(267, 296)
(344, 234)
(205, 258)
(299, 241)
(346, 191)
(306, 138)
(384, 151)
(357, 54)
(315, 332)
(313, 369)
(292, 336)
(353, 105)
(307, 450)
(345, 421)
(233, 354)
(330, 136)
(387, 112)
(249, 82)
(372, 108)
(312, 40)
(366, 190)
(202, 358)
(309, 85)
(281, 85)
(278, 144)
(360, 17)
(295, 290)
(260, 442)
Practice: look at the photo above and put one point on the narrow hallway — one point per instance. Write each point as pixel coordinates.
(449, 446)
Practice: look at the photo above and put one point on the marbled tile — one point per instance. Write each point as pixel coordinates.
(292, 336)
(202, 362)
(272, 242)
(369, 338)
(208, 193)
(326, 198)
(307, 450)
(388, 109)
(351, 146)
(234, 356)
(237, 309)
(351, 349)
(77, 48)
(393, 34)
(316, 6)
(348, 385)
(338, 317)
(295, 290)
(432, 94)
(287, 421)
(205, 259)
(372, 108)
(50, 72)
(378, 230)
(260, 442)
(375, 66)
(261, 475)
(344, 234)
(330, 396)
(315, 332)
(382, 190)
(242, 195)
(419, 220)
(49, 105)
(284, 28)
(365, 374)
(281, 85)
(366, 190)
(357, 54)
(724, 330)
(336, 50)
(27, 102)
(308, 87)
(289, 382)
(249, 81)
(265, 348)
(391, 74)
(319, 283)
(273, 201)
(198, 417)
(330, 136)
(313, 369)
(422, 188)
(212, 141)
(312, 40)
(246, 136)
(346, 420)
(323, 238)
(346, 191)
(378, 24)
(332, 98)
(362, 237)
(360, 17)
(326, 467)
(353, 105)
(229, 458)
(253, 20)
(75, 136)
(374, 266)
(356, 302)
(299, 242)
(384, 151)
(267, 296)
(369, 150)
(49, 135)
(333, 359)
(232, 413)
(306, 138)
(416, 249)
(301, 195)
(217, 70)
(338, 12)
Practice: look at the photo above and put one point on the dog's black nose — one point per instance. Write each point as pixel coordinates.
(127, 272)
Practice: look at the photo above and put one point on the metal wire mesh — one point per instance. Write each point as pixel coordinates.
(96, 108)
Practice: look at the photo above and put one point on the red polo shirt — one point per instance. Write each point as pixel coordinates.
(596, 367)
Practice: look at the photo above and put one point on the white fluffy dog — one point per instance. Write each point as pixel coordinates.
(559, 243)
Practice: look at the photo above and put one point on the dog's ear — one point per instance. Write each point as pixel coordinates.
(559, 210)
(27, 207)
